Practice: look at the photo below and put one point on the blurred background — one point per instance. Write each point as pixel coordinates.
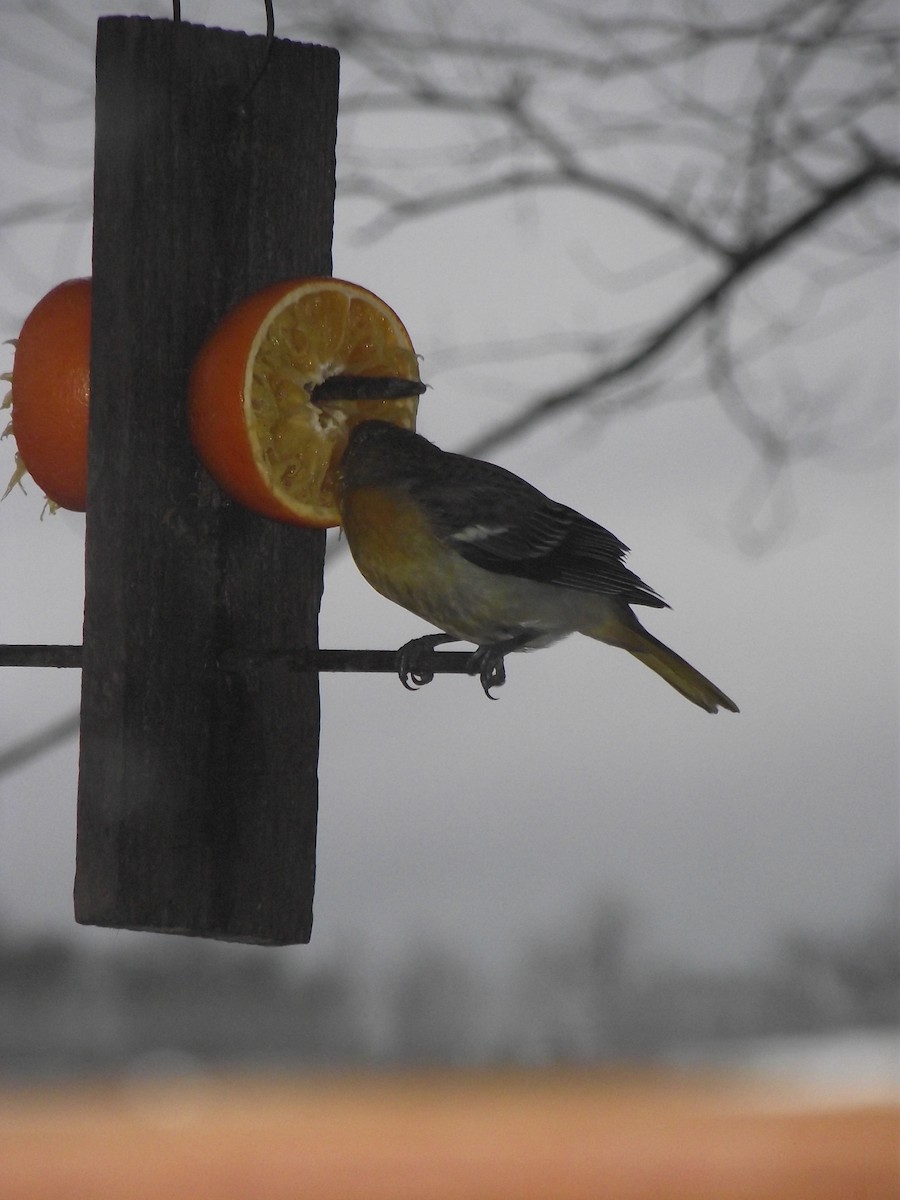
(649, 261)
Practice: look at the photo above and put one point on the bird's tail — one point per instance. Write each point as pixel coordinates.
(631, 636)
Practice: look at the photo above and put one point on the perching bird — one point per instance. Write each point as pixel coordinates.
(489, 559)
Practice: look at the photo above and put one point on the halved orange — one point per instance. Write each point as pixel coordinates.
(254, 423)
(51, 379)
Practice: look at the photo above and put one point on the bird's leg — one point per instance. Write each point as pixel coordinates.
(409, 667)
(487, 661)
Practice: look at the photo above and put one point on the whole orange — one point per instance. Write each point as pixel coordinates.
(51, 378)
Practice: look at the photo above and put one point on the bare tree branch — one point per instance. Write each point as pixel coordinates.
(703, 302)
(736, 137)
(742, 137)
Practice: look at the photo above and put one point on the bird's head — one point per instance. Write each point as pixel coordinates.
(378, 453)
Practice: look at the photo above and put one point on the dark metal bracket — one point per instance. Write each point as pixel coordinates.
(444, 662)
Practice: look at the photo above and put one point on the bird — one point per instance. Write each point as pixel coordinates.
(487, 558)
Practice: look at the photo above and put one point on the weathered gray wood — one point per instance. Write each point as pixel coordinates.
(197, 790)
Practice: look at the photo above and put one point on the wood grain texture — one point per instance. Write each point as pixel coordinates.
(198, 787)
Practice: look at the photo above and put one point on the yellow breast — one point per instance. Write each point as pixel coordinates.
(392, 545)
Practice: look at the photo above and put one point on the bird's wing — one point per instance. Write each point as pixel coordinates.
(499, 522)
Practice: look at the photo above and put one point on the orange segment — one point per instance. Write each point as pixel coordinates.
(253, 423)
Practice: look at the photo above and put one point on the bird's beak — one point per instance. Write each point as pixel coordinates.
(365, 387)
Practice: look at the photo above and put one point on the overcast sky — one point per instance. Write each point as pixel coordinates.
(443, 815)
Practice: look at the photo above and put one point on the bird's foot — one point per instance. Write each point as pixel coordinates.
(410, 665)
(488, 661)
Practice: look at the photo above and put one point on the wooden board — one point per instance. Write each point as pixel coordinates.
(197, 789)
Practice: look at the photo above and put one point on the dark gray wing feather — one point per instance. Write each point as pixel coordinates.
(501, 523)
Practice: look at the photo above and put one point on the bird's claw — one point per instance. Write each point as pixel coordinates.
(412, 680)
(414, 658)
(413, 674)
(487, 663)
